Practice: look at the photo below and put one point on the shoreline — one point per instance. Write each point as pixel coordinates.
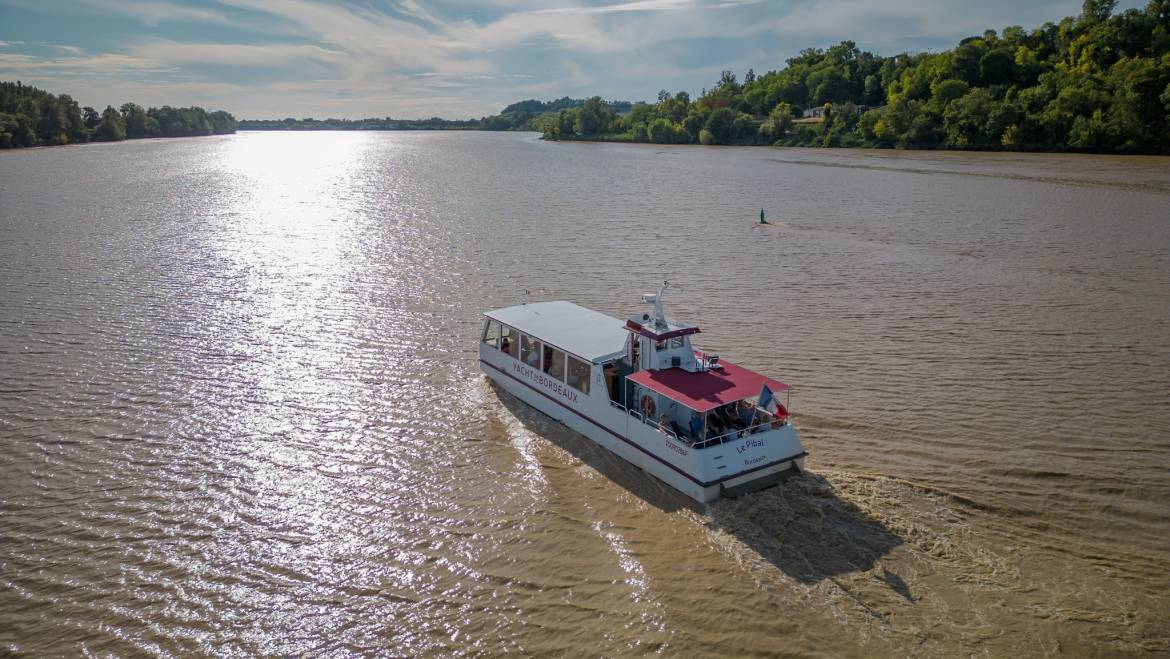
(821, 147)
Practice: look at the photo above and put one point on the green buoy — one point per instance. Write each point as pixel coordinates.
(762, 220)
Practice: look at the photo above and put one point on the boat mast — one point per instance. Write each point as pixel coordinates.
(656, 300)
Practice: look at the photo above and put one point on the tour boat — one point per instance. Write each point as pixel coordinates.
(702, 425)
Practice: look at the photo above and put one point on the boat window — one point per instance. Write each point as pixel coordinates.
(578, 377)
(660, 345)
(554, 363)
(491, 334)
(530, 351)
(509, 338)
(676, 342)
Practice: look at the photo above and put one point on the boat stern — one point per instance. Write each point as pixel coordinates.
(756, 461)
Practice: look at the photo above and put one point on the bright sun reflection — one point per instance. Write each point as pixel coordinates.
(292, 193)
(286, 240)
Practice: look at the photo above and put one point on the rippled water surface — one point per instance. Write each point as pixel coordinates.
(241, 412)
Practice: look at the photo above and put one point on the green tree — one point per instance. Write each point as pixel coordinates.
(567, 122)
(742, 127)
(1097, 11)
(137, 122)
(947, 91)
(91, 117)
(719, 125)
(780, 119)
(549, 126)
(52, 126)
(997, 67)
(968, 118)
(693, 124)
(594, 117)
(868, 127)
(112, 128)
(661, 131)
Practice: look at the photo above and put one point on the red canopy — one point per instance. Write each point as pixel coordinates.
(706, 390)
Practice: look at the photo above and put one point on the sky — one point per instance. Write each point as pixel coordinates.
(454, 59)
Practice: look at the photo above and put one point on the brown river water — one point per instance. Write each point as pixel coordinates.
(241, 411)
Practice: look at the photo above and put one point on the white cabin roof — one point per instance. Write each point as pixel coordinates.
(570, 327)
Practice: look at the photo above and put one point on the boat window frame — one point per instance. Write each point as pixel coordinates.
(548, 360)
(490, 340)
(526, 342)
(512, 335)
(588, 372)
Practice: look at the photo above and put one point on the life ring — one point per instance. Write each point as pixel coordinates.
(648, 406)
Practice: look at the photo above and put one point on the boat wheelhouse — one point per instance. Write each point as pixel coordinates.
(639, 388)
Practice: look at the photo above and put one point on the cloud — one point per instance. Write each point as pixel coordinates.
(151, 13)
(103, 63)
(639, 5)
(647, 6)
(496, 55)
(220, 54)
(375, 42)
(457, 58)
(155, 12)
(412, 8)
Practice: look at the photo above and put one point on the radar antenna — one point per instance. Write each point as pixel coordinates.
(656, 300)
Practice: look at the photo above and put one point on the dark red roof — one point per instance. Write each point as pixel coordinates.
(706, 390)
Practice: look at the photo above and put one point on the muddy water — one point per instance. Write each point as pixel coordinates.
(240, 410)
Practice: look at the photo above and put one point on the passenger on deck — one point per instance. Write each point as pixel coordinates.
(663, 423)
(718, 415)
(505, 346)
(547, 358)
(745, 419)
(747, 412)
(715, 423)
(697, 426)
(727, 417)
(534, 357)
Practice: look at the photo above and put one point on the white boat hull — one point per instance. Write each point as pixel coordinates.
(730, 468)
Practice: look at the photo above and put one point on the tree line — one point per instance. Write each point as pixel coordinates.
(517, 116)
(1095, 82)
(34, 117)
(524, 115)
(372, 123)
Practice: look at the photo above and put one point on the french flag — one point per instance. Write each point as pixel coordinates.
(768, 402)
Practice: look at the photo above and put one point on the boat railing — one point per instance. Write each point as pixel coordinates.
(705, 358)
(740, 433)
(670, 434)
(766, 424)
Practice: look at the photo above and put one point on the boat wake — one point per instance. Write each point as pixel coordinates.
(905, 562)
